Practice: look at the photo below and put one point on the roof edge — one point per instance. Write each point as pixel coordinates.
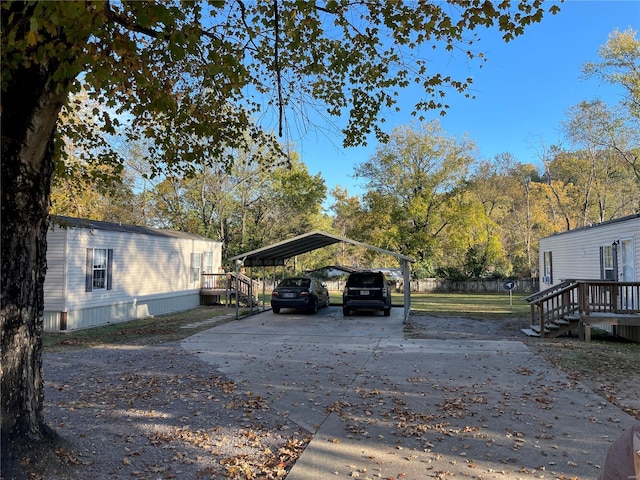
(336, 239)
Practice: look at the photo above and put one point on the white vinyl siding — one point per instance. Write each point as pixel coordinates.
(576, 253)
(144, 265)
(582, 254)
(54, 285)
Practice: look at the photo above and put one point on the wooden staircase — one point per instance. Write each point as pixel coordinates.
(554, 311)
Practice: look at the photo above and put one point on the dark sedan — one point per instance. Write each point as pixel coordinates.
(300, 293)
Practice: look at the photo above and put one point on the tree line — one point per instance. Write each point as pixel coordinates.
(427, 195)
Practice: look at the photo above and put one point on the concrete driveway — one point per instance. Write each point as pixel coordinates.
(382, 406)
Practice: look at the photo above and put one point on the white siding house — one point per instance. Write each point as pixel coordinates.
(606, 251)
(102, 272)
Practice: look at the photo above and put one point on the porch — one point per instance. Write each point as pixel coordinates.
(228, 289)
(582, 303)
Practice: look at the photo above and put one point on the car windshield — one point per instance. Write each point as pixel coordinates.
(295, 282)
(371, 281)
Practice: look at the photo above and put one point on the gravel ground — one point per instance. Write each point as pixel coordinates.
(157, 412)
(607, 367)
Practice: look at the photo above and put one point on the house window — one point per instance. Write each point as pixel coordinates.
(100, 269)
(195, 267)
(547, 268)
(98, 275)
(607, 263)
(208, 262)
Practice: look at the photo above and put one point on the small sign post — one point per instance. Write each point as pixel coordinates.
(510, 285)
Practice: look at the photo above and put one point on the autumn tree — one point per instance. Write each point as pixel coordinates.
(244, 206)
(509, 194)
(619, 64)
(592, 180)
(290, 204)
(347, 217)
(414, 184)
(602, 142)
(203, 68)
(211, 201)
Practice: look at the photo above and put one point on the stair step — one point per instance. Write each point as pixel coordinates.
(552, 326)
(572, 318)
(529, 332)
(536, 328)
(563, 322)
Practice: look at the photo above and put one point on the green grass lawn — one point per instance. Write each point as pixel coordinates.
(485, 306)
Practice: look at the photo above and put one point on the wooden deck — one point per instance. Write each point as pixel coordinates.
(222, 288)
(606, 318)
(581, 304)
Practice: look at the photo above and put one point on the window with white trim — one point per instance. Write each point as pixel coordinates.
(98, 275)
(196, 263)
(607, 263)
(547, 268)
(208, 262)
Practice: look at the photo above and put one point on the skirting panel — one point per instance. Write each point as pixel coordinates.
(96, 316)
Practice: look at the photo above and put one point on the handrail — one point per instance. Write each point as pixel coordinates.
(247, 287)
(549, 291)
(554, 304)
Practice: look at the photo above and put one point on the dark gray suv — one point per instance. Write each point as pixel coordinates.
(366, 291)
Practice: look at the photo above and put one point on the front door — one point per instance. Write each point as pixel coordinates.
(626, 257)
(628, 271)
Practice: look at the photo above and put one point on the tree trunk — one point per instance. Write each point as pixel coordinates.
(31, 101)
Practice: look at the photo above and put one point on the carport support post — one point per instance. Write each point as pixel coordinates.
(406, 274)
(264, 287)
(237, 287)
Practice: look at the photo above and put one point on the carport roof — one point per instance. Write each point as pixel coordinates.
(277, 253)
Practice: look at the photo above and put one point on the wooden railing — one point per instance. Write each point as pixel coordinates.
(245, 289)
(609, 297)
(215, 281)
(576, 303)
(553, 307)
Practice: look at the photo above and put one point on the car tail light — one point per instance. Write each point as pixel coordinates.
(304, 294)
(275, 294)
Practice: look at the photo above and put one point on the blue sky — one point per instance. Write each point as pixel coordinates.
(522, 92)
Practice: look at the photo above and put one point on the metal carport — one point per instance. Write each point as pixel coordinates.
(277, 254)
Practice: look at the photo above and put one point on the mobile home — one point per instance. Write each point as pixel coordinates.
(104, 272)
